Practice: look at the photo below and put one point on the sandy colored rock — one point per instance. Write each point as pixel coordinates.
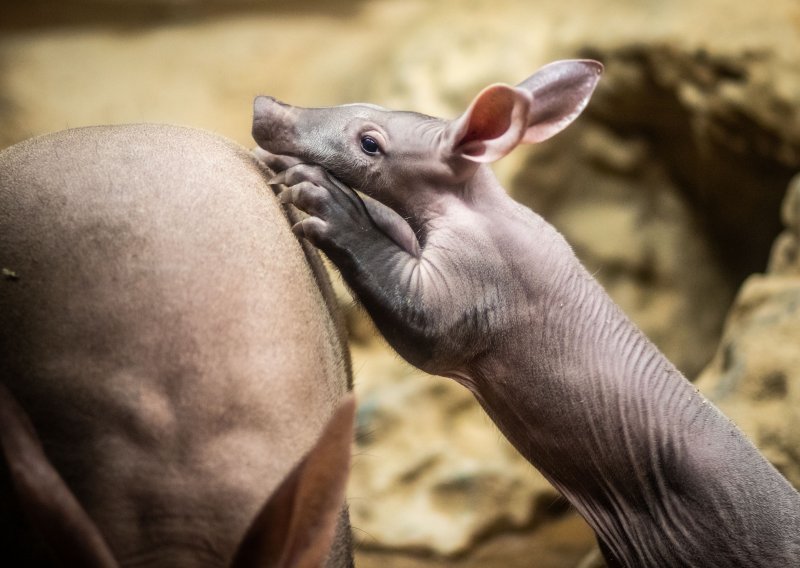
(755, 377)
(431, 473)
(785, 258)
(722, 124)
(560, 542)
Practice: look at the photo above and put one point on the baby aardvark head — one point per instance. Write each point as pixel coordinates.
(393, 155)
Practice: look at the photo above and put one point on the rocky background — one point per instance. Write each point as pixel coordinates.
(672, 188)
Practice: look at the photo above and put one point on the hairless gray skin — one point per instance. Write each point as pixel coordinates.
(465, 282)
(163, 336)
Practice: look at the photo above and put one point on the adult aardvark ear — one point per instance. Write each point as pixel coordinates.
(501, 117)
(51, 508)
(296, 526)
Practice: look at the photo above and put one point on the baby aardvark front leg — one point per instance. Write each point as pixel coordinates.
(373, 246)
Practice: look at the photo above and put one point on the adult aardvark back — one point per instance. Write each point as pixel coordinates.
(162, 332)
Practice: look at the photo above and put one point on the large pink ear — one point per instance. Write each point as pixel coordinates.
(296, 527)
(492, 125)
(560, 91)
(45, 499)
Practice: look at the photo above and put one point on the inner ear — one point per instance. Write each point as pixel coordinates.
(490, 115)
(492, 125)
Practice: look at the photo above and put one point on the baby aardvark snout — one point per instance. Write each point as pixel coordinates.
(263, 102)
(274, 125)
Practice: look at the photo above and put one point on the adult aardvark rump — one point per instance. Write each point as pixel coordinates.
(162, 334)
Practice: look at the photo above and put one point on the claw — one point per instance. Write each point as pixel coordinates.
(277, 179)
(260, 154)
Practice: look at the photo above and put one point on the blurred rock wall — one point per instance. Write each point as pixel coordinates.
(669, 188)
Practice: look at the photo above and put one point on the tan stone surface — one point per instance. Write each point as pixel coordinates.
(557, 543)
(430, 471)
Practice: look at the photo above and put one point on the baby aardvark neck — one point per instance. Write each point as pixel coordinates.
(629, 441)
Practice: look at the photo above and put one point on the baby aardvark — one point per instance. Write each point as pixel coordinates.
(466, 283)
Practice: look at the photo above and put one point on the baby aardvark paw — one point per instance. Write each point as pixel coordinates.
(335, 210)
(275, 162)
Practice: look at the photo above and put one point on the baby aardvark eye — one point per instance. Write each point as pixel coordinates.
(370, 145)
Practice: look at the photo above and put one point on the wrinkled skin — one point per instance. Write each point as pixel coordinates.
(466, 283)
